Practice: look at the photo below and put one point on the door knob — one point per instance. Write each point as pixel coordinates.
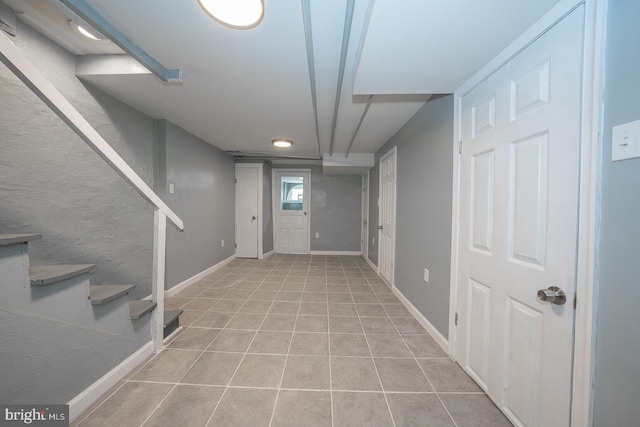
(553, 294)
(305, 213)
(379, 227)
(253, 218)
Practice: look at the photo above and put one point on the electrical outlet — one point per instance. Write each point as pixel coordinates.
(222, 243)
(317, 235)
(426, 275)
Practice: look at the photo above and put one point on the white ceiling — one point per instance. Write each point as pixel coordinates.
(242, 88)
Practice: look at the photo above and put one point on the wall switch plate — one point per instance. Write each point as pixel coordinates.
(426, 275)
(317, 235)
(171, 188)
(625, 141)
(222, 243)
(373, 240)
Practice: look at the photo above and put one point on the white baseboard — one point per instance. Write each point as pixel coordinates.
(88, 396)
(268, 254)
(437, 336)
(335, 253)
(190, 281)
(371, 264)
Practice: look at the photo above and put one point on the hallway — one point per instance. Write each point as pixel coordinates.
(295, 340)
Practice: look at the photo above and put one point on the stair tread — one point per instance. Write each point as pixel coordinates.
(170, 316)
(12, 239)
(138, 308)
(102, 294)
(42, 275)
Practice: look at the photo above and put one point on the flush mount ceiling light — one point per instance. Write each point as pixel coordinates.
(282, 143)
(238, 14)
(89, 33)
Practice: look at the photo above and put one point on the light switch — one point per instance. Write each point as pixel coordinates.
(625, 141)
(171, 188)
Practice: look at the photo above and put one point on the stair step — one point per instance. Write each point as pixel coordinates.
(102, 294)
(138, 308)
(171, 321)
(42, 275)
(12, 239)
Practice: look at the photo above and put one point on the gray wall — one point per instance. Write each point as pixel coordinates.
(336, 208)
(204, 197)
(423, 209)
(618, 346)
(51, 182)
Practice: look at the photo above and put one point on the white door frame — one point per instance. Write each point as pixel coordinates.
(591, 126)
(275, 193)
(364, 249)
(393, 151)
(260, 169)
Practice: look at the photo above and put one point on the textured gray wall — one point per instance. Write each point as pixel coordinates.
(52, 182)
(267, 209)
(423, 209)
(204, 197)
(336, 208)
(618, 346)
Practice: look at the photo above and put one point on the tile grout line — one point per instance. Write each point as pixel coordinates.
(275, 403)
(384, 394)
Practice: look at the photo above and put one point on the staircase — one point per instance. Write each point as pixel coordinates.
(59, 333)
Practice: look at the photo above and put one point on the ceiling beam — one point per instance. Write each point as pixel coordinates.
(346, 35)
(93, 18)
(308, 37)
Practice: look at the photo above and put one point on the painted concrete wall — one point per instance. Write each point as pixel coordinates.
(204, 197)
(618, 346)
(51, 182)
(423, 209)
(336, 207)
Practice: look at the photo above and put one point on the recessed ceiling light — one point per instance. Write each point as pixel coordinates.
(282, 143)
(238, 14)
(89, 33)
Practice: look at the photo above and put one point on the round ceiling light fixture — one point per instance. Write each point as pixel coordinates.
(282, 143)
(238, 14)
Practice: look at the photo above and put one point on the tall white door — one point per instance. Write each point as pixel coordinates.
(292, 211)
(247, 179)
(387, 216)
(364, 239)
(518, 221)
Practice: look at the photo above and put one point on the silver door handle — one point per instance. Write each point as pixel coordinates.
(379, 227)
(253, 218)
(553, 294)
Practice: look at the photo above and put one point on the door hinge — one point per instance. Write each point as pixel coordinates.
(235, 180)
(460, 146)
(575, 300)
(235, 245)
(455, 320)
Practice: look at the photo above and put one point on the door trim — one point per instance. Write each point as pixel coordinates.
(588, 215)
(393, 151)
(275, 193)
(259, 167)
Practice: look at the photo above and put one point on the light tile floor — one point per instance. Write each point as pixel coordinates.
(295, 341)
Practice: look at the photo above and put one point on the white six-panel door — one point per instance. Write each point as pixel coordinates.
(247, 180)
(518, 226)
(387, 216)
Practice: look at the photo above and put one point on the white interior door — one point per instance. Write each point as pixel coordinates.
(292, 211)
(364, 240)
(387, 216)
(518, 222)
(247, 218)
